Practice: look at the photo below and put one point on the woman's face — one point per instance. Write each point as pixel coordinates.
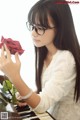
(45, 39)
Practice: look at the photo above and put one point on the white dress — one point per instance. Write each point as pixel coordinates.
(58, 81)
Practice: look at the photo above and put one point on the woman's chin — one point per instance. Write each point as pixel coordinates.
(38, 44)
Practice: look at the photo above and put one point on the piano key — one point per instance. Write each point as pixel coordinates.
(24, 111)
(31, 118)
(23, 108)
(28, 114)
(34, 119)
(44, 116)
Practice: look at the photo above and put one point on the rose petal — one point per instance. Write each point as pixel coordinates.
(13, 46)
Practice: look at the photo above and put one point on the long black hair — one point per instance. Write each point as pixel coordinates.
(65, 38)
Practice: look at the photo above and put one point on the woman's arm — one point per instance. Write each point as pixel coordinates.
(24, 90)
(12, 71)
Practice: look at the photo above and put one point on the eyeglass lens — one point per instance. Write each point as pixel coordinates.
(39, 30)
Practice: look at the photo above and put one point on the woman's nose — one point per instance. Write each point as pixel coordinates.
(34, 33)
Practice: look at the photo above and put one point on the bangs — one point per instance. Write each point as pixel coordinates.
(38, 16)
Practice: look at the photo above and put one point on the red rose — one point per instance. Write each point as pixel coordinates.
(13, 46)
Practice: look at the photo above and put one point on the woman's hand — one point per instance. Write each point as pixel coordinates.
(20, 103)
(7, 66)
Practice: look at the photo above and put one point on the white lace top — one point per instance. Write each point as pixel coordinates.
(58, 81)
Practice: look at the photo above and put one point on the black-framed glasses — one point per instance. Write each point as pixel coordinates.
(39, 29)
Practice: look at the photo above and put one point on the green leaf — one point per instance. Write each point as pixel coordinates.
(7, 85)
(14, 90)
(14, 100)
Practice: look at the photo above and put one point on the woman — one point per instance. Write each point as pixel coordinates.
(57, 62)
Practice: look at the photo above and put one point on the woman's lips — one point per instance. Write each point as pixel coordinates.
(36, 40)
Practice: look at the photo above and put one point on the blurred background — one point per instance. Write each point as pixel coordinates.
(13, 17)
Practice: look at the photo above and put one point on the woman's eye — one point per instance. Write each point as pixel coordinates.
(40, 28)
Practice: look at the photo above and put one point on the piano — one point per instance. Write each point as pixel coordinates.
(22, 113)
(15, 112)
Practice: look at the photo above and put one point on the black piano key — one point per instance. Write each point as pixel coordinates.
(18, 107)
(23, 108)
(29, 114)
(35, 119)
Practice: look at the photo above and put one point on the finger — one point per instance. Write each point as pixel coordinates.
(17, 94)
(7, 51)
(2, 52)
(17, 58)
(21, 104)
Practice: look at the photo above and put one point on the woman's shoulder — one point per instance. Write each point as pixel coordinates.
(65, 56)
(65, 53)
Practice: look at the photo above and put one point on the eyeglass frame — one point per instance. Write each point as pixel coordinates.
(36, 28)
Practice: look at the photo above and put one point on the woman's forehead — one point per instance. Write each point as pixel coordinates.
(50, 20)
(38, 20)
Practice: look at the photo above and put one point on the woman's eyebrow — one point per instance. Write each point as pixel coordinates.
(39, 25)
